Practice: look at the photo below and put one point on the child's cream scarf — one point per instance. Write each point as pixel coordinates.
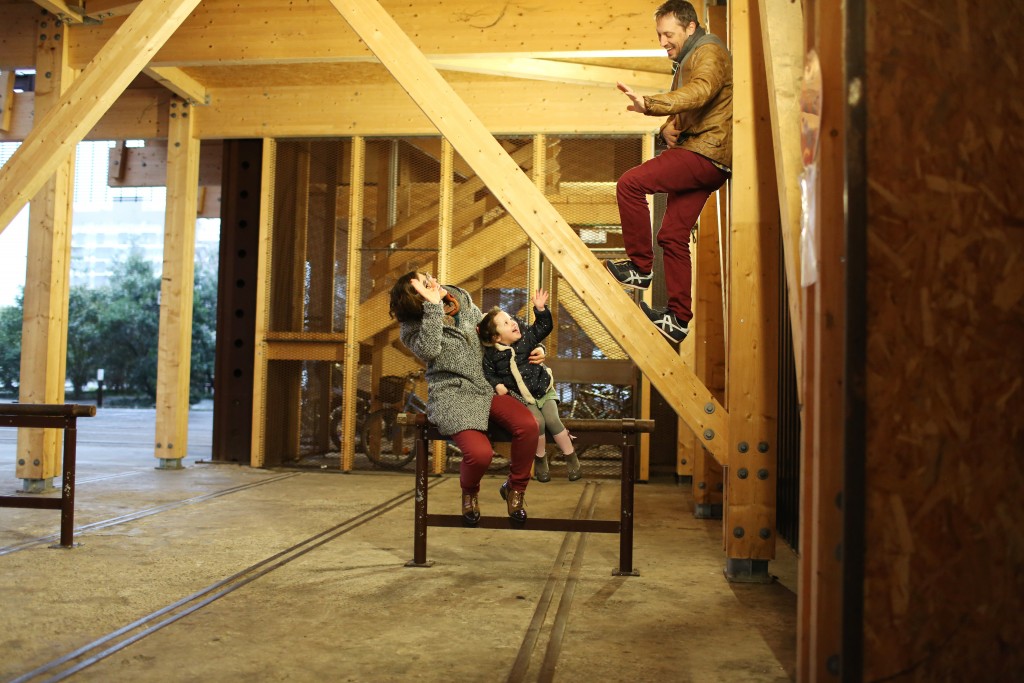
(523, 391)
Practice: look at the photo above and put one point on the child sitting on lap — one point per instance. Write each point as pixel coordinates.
(507, 345)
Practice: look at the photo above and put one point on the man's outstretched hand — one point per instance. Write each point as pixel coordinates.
(638, 100)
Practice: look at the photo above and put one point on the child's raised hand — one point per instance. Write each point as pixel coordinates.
(540, 299)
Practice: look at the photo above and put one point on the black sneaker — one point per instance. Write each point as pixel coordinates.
(628, 275)
(674, 329)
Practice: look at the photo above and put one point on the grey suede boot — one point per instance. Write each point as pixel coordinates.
(540, 468)
(573, 466)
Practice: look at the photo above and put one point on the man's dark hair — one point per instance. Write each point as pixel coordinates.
(682, 10)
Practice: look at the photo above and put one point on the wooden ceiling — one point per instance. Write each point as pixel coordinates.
(281, 68)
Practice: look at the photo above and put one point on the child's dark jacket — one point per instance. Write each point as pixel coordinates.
(502, 363)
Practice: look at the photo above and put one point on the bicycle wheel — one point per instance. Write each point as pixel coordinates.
(335, 427)
(386, 443)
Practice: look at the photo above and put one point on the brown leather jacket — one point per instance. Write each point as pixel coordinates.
(701, 100)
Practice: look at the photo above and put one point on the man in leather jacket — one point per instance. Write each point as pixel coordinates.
(698, 134)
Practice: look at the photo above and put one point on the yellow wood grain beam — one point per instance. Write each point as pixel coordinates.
(749, 515)
(179, 83)
(63, 11)
(174, 347)
(527, 205)
(277, 32)
(378, 109)
(54, 138)
(644, 82)
(6, 99)
(101, 10)
(782, 34)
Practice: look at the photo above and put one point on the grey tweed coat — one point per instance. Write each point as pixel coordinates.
(458, 395)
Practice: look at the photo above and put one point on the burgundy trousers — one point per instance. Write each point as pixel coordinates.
(687, 178)
(516, 419)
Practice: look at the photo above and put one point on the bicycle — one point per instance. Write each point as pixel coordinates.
(599, 402)
(387, 444)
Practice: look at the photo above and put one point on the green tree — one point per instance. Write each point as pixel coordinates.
(129, 326)
(204, 324)
(10, 345)
(85, 336)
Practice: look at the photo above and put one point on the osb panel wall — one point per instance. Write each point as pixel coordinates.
(945, 402)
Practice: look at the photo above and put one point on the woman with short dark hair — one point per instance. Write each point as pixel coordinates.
(439, 326)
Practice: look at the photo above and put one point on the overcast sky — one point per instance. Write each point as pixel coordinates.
(13, 254)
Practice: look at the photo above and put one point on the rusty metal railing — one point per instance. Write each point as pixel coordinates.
(50, 416)
(596, 431)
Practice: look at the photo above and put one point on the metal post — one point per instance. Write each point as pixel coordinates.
(67, 494)
(419, 550)
(626, 517)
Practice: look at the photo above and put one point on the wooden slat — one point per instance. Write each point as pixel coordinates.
(174, 346)
(534, 213)
(54, 138)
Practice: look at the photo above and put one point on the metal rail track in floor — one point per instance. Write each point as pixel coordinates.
(574, 545)
(139, 514)
(99, 649)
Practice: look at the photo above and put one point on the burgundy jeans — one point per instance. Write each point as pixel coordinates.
(687, 178)
(477, 451)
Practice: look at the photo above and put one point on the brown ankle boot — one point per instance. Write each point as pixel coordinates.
(470, 509)
(515, 500)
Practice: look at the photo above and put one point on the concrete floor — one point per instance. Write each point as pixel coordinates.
(228, 573)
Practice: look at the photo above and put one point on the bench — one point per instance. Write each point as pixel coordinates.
(50, 416)
(589, 431)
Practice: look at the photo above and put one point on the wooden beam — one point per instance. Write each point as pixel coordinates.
(782, 34)
(262, 315)
(377, 109)
(286, 33)
(100, 10)
(54, 138)
(147, 166)
(6, 99)
(45, 306)
(524, 202)
(644, 82)
(382, 109)
(61, 9)
(749, 515)
(174, 345)
(820, 618)
(179, 83)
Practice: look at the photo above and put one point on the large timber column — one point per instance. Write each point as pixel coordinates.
(174, 359)
(45, 323)
(749, 515)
